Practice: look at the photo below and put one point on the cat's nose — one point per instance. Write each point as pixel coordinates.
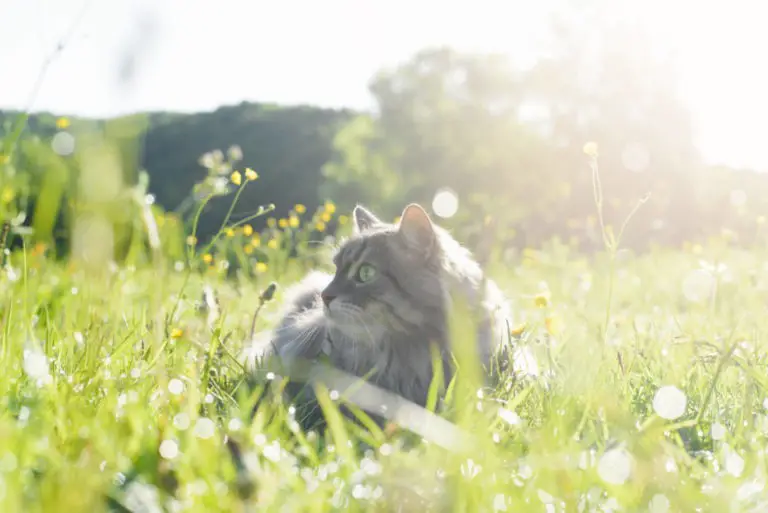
(327, 297)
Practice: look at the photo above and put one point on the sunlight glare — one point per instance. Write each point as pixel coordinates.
(445, 204)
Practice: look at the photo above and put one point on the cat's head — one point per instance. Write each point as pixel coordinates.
(388, 279)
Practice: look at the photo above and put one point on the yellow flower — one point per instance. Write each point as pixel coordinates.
(4, 159)
(191, 240)
(293, 221)
(326, 217)
(272, 244)
(283, 223)
(62, 123)
(250, 174)
(554, 325)
(518, 330)
(230, 232)
(299, 208)
(320, 226)
(248, 249)
(256, 241)
(236, 178)
(8, 195)
(590, 149)
(39, 248)
(260, 267)
(343, 220)
(176, 333)
(541, 300)
(329, 207)
(396, 220)
(247, 230)
(207, 258)
(271, 222)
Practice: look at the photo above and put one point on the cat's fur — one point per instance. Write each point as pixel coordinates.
(383, 329)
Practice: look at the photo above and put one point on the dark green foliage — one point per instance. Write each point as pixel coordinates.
(286, 146)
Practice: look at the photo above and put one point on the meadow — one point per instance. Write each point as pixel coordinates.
(638, 382)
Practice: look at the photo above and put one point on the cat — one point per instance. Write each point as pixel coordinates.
(388, 302)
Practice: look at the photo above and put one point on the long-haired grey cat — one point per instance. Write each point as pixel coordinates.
(387, 303)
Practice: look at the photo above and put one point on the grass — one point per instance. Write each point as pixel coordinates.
(638, 382)
(115, 387)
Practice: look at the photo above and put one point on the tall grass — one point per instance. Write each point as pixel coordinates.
(638, 382)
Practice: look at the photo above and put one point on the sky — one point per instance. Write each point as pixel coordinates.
(195, 55)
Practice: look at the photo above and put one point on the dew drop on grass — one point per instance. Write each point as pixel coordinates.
(204, 428)
(35, 364)
(175, 386)
(670, 465)
(169, 449)
(235, 425)
(698, 285)
(361, 492)
(272, 451)
(499, 502)
(8, 462)
(525, 471)
(510, 417)
(734, 464)
(615, 466)
(717, 431)
(669, 402)
(334, 395)
(181, 421)
(658, 504)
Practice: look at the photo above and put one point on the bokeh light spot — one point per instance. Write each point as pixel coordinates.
(445, 204)
(615, 466)
(669, 402)
(63, 143)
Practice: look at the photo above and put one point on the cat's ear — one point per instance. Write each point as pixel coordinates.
(364, 219)
(417, 229)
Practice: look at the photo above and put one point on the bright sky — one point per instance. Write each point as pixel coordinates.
(205, 53)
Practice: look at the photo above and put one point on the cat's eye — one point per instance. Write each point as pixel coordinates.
(365, 273)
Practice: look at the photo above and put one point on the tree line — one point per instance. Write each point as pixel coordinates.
(509, 141)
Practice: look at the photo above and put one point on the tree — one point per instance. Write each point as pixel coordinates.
(443, 119)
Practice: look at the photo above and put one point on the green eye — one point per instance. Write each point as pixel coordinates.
(365, 273)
